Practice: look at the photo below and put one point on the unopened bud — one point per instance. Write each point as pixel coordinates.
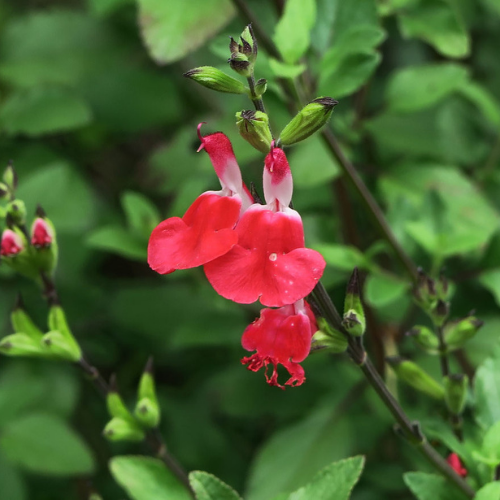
(253, 126)
(10, 177)
(17, 211)
(354, 316)
(15, 253)
(248, 43)
(4, 191)
(12, 243)
(244, 53)
(57, 323)
(22, 323)
(307, 121)
(328, 338)
(43, 240)
(413, 375)
(440, 312)
(425, 292)
(118, 429)
(455, 463)
(239, 62)
(60, 347)
(455, 392)
(41, 233)
(215, 79)
(147, 410)
(424, 338)
(21, 344)
(115, 404)
(260, 87)
(457, 333)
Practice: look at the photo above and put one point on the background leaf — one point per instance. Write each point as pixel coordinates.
(487, 391)
(431, 487)
(208, 487)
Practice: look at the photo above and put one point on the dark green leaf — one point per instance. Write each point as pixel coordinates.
(208, 487)
(146, 478)
(432, 487)
(12, 482)
(382, 289)
(142, 215)
(487, 391)
(118, 240)
(45, 444)
(172, 29)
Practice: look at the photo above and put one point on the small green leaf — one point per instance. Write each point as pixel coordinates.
(490, 491)
(292, 33)
(45, 444)
(208, 487)
(483, 100)
(491, 280)
(431, 487)
(334, 482)
(145, 478)
(438, 23)
(282, 70)
(172, 29)
(118, 240)
(142, 215)
(382, 289)
(491, 443)
(342, 256)
(487, 391)
(43, 110)
(418, 87)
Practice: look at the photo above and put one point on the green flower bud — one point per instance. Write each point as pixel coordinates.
(260, 87)
(424, 338)
(147, 410)
(57, 323)
(22, 323)
(248, 43)
(243, 54)
(440, 312)
(44, 243)
(413, 375)
(425, 292)
(17, 211)
(327, 338)
(10, 177)
(455, 392)
(58, 345)
(307, 121)
(22, 344)
(115, 404)
(4, 191)
(118, 429)
(253, 126)
(457, 333)
(354, 316)
(214, 79)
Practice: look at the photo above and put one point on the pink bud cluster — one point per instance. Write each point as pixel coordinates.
(249, 252)
(13, 243)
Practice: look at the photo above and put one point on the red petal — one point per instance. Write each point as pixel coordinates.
(269, 261)
(203, 234)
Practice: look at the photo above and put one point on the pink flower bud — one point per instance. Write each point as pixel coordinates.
(455, 463)
(41, 234)
(11, 244)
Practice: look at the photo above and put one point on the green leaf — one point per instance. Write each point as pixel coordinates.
(45, 444)
(487, 391)
(491, 280)
(145, 478)
(490, 491)
(292, 33)
(173, 29)
(342, 256)
(12, 482)
(282, 70)
(103, 8)
(431, 487)
(438, 23)
(418, 87)
(334, 482)
(118, 240)
(491, 443)
(208, 487)
(43, 110)
(483, 100)
(383, 289)
(142, 215)
(349, 75)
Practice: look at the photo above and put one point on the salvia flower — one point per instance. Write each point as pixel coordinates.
(269, 262)
(455, 463)
(41, 233)
(206, 231)
(280, 336)
(11, 244)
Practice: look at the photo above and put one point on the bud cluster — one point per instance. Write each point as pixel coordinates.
(125, 425)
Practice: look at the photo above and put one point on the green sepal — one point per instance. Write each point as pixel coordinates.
(413, 375)
(58, 346)
(215, 79)
(119, 429)
(57, 322)
(307, 121)
(117, 408)
(328, 339)
(455, 392)
(425, 292)
(439, 314)
(16, 209)
(147, 412)
(10, 177)
(354, 316)
(457, 333)
(4, 191)
(22, 323)
(253, 126)
(425, 338)
(95, 496)
(22, 344)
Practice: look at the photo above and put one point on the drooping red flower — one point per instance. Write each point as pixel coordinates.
(206, 231)
(280, 336)
(41, 233)
(11, 243)
(269, 262)
(455, 463)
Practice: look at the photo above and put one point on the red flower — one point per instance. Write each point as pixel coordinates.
(11, 244)
(206, 231)
(455, 463)
(280, 336)
(269, 262)
(41, 233)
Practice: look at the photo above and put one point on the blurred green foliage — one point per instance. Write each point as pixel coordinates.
(104, 138)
